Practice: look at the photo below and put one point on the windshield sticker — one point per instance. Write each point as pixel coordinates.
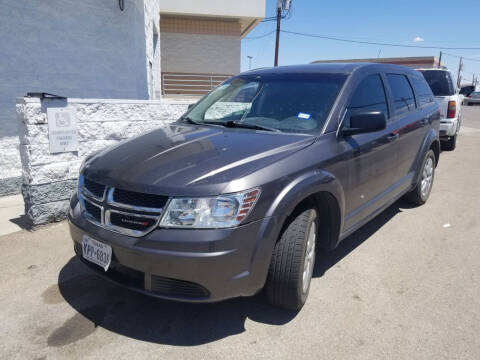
(304, 116)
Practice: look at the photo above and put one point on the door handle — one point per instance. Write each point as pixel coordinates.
(423, 122)
(393, 137)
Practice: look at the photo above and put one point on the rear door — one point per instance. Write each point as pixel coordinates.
(373, 156)
(410, 121)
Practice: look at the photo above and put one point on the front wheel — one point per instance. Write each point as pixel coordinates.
(419, 195)
(292, 263)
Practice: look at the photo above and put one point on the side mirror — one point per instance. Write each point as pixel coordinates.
(365, 123)
(190, 106)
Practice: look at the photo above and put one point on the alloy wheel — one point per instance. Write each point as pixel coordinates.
(309, 256)
(427, 177)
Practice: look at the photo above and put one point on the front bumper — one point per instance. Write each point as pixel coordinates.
(185, 264)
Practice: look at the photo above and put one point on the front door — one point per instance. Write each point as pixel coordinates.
(373, 157)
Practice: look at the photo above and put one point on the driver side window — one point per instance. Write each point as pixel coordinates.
(369, 96)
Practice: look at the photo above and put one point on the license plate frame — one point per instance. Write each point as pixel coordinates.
(96, 252)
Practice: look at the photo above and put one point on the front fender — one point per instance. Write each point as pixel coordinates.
(302, 187)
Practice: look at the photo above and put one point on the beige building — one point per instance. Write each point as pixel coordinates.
(413, 62)
(201, 41)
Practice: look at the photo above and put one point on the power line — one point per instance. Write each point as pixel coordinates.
(260, 36)
(377, 43)
(464, 58)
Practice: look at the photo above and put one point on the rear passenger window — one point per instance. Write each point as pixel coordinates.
(402, 93)
(369, 96)
(422, 90)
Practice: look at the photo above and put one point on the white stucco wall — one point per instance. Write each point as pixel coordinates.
(152, 41)
(49, 179)
(87, 48)
(214, 54)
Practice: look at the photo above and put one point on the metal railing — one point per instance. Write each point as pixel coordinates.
(190, 84)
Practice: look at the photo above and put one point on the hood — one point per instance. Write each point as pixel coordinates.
(183, 159)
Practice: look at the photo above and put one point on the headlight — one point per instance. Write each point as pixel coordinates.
(223, 211)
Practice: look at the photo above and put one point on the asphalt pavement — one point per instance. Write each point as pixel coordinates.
(405, 286)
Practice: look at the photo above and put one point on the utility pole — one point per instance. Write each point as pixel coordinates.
(440, 60)
(277, 41)
(281, 5)
(460, 66)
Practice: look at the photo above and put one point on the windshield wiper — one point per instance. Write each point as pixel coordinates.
(237, 124)
(231, 124)
(190, 120)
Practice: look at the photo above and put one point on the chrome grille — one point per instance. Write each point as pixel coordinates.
(95, 189)
(126, 212)
(139, 199)
(94, 211)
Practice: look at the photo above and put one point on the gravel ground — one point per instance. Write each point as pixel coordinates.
(405, 286)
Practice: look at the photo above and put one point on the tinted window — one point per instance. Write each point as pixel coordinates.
(467, 90)
(475, 94)
(439, 81)
(298, 103)
(369, 96)
(422, 90)
(402, 93)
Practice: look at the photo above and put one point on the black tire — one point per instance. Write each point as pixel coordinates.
(284, 286)
(416, 196)
(450, 144)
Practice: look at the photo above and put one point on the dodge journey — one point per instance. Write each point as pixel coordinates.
(267, 170)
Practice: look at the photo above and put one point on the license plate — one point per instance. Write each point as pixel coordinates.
(96, 252)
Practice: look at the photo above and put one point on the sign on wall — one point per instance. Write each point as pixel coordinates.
(62, 130)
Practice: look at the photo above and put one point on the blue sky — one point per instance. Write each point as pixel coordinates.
(439, 23)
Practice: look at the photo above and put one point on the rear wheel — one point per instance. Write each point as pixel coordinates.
(293, 259)
(419, 195)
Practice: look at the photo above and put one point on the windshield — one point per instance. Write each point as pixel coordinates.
(297, 103)
(475, 94)
(440, 82)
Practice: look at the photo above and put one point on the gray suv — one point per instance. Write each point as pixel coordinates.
(265, 171)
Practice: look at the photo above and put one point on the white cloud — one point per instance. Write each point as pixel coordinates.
(418, 39)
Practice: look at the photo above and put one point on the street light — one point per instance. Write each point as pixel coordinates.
(249, 62)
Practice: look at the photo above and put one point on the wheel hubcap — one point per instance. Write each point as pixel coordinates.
(427, 177)
(309, 256)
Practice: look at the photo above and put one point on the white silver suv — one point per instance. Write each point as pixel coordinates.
(448, 98)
